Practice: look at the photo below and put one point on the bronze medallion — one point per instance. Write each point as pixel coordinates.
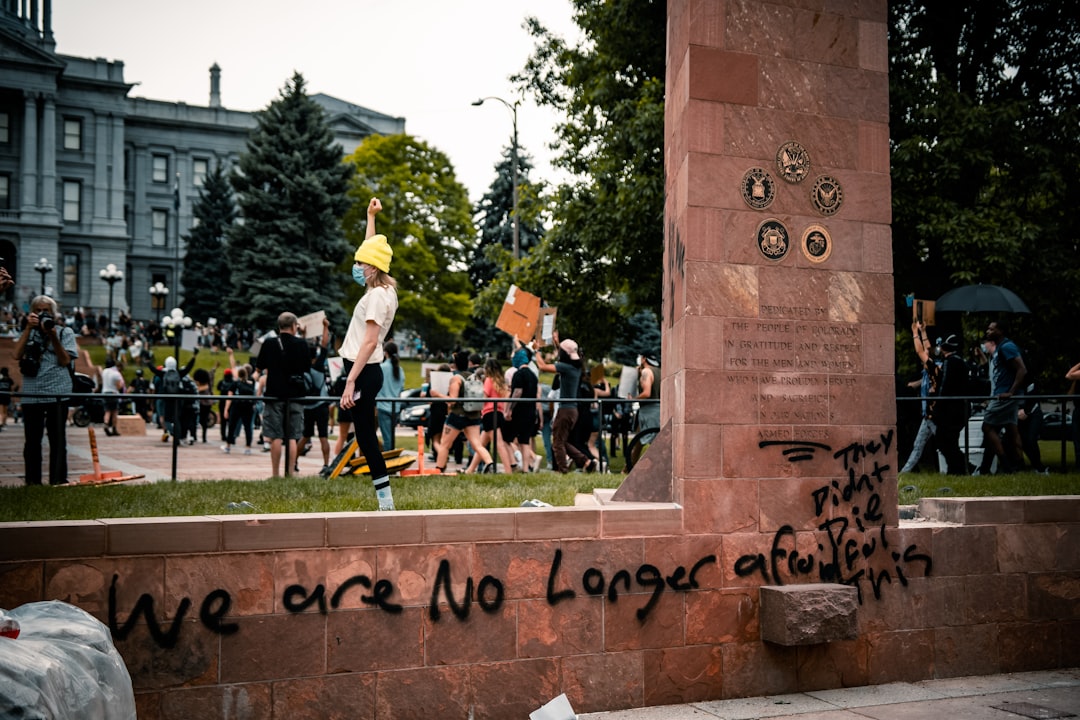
(772, 239)
(793, 162)
(826, 195)
(817, 244)
(758, 188)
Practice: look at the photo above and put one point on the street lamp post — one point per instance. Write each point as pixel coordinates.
(44, 267)
(513, 169)
(111, 275)
(158, 293)
(175, 322)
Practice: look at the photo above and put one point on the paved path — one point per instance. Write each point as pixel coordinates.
(147, 455)
(1046, 694)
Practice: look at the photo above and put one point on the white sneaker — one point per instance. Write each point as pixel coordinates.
(226, 449)
(517, 457)
(247, 451)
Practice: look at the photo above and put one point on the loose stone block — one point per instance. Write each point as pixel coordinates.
(130, 425)
(808, 614)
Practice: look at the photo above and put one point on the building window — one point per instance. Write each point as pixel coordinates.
(159, 228)
(5, 192)
(5, 128)
(160, 172)
(72, 134)
(199, 168)
(71, 273)
(72, 201)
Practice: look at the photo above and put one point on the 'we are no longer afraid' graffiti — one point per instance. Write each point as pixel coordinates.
(488, 594)
(857, 552)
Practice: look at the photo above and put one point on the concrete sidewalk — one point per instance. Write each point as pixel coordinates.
(147, 455)
(1044, 694)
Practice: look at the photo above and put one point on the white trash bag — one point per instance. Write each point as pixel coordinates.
(58, 661)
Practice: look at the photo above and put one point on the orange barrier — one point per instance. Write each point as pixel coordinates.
(97, 477)
(420, 470)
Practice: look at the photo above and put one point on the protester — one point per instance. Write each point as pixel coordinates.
(112, 386)
(140, 386)
(930, 366)
(393, 384)
(648, 389)
(240, 410)
(362, 349)
(524, 416)
(7, 385)
(284, 358)
(950, 415)
(1073, 376)
(460, 420)
(568, 367)
(317, 412)
(1007, 374)
(169, 381)
(45, 351)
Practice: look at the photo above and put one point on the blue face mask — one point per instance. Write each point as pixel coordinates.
(358, 275)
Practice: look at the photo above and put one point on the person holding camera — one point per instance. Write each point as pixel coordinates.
(45, 351)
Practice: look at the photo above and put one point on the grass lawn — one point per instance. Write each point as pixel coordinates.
(314, 494)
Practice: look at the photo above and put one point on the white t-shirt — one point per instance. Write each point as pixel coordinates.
(112, 381)
(379, 305)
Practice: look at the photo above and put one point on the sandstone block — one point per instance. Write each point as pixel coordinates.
(808, 614)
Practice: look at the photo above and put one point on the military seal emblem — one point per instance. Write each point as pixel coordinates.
(772, 239)
(793, 162)
(816, 244)
(758, 188)
(826, 196)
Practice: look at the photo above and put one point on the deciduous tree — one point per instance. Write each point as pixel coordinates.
(427, 219)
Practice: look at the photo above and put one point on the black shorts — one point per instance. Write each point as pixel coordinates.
(316, 418)
(504, 425)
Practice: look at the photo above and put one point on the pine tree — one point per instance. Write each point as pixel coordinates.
(494, 254)
(290, 185)
(206, 274)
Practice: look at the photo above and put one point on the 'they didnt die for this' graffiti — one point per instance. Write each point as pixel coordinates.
(856, 550)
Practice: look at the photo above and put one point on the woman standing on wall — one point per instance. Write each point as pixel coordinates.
(362, 348)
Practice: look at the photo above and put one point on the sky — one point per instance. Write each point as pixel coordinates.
(424, 60)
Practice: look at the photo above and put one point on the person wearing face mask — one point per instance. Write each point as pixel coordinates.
(362, 349)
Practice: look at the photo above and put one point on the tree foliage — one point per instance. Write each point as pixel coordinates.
(602, 259)
(205, 276)
(985, 167)
(427, 219)
(291, 190)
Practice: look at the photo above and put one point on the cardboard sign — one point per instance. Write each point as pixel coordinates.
(596, 375)
(923, 311)
(523, 318)
(312, 325)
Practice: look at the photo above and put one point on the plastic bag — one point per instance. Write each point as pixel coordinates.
(63, 664)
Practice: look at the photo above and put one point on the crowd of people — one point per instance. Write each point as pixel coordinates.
(1011, 414)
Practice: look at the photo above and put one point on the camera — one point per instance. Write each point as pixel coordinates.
(46, 320)
(30, 362)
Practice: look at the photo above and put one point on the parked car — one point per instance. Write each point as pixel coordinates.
(413, 414)
(1054, 429)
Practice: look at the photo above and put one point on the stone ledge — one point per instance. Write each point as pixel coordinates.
(808, 614)
(1002, 510)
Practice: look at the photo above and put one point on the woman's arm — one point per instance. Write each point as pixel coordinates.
(373, 209)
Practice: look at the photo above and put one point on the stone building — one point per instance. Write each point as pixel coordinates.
(90, 176)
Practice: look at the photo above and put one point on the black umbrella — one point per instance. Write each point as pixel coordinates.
(981, 298)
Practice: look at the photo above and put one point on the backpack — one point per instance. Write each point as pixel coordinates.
(315, 386)
(170, 382)
(472, 387)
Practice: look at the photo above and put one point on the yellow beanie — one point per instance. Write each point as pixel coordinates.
(375, 251)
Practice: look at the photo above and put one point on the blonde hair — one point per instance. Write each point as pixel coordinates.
(382, 279)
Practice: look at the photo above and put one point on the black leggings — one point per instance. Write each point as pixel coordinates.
(365, 426)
